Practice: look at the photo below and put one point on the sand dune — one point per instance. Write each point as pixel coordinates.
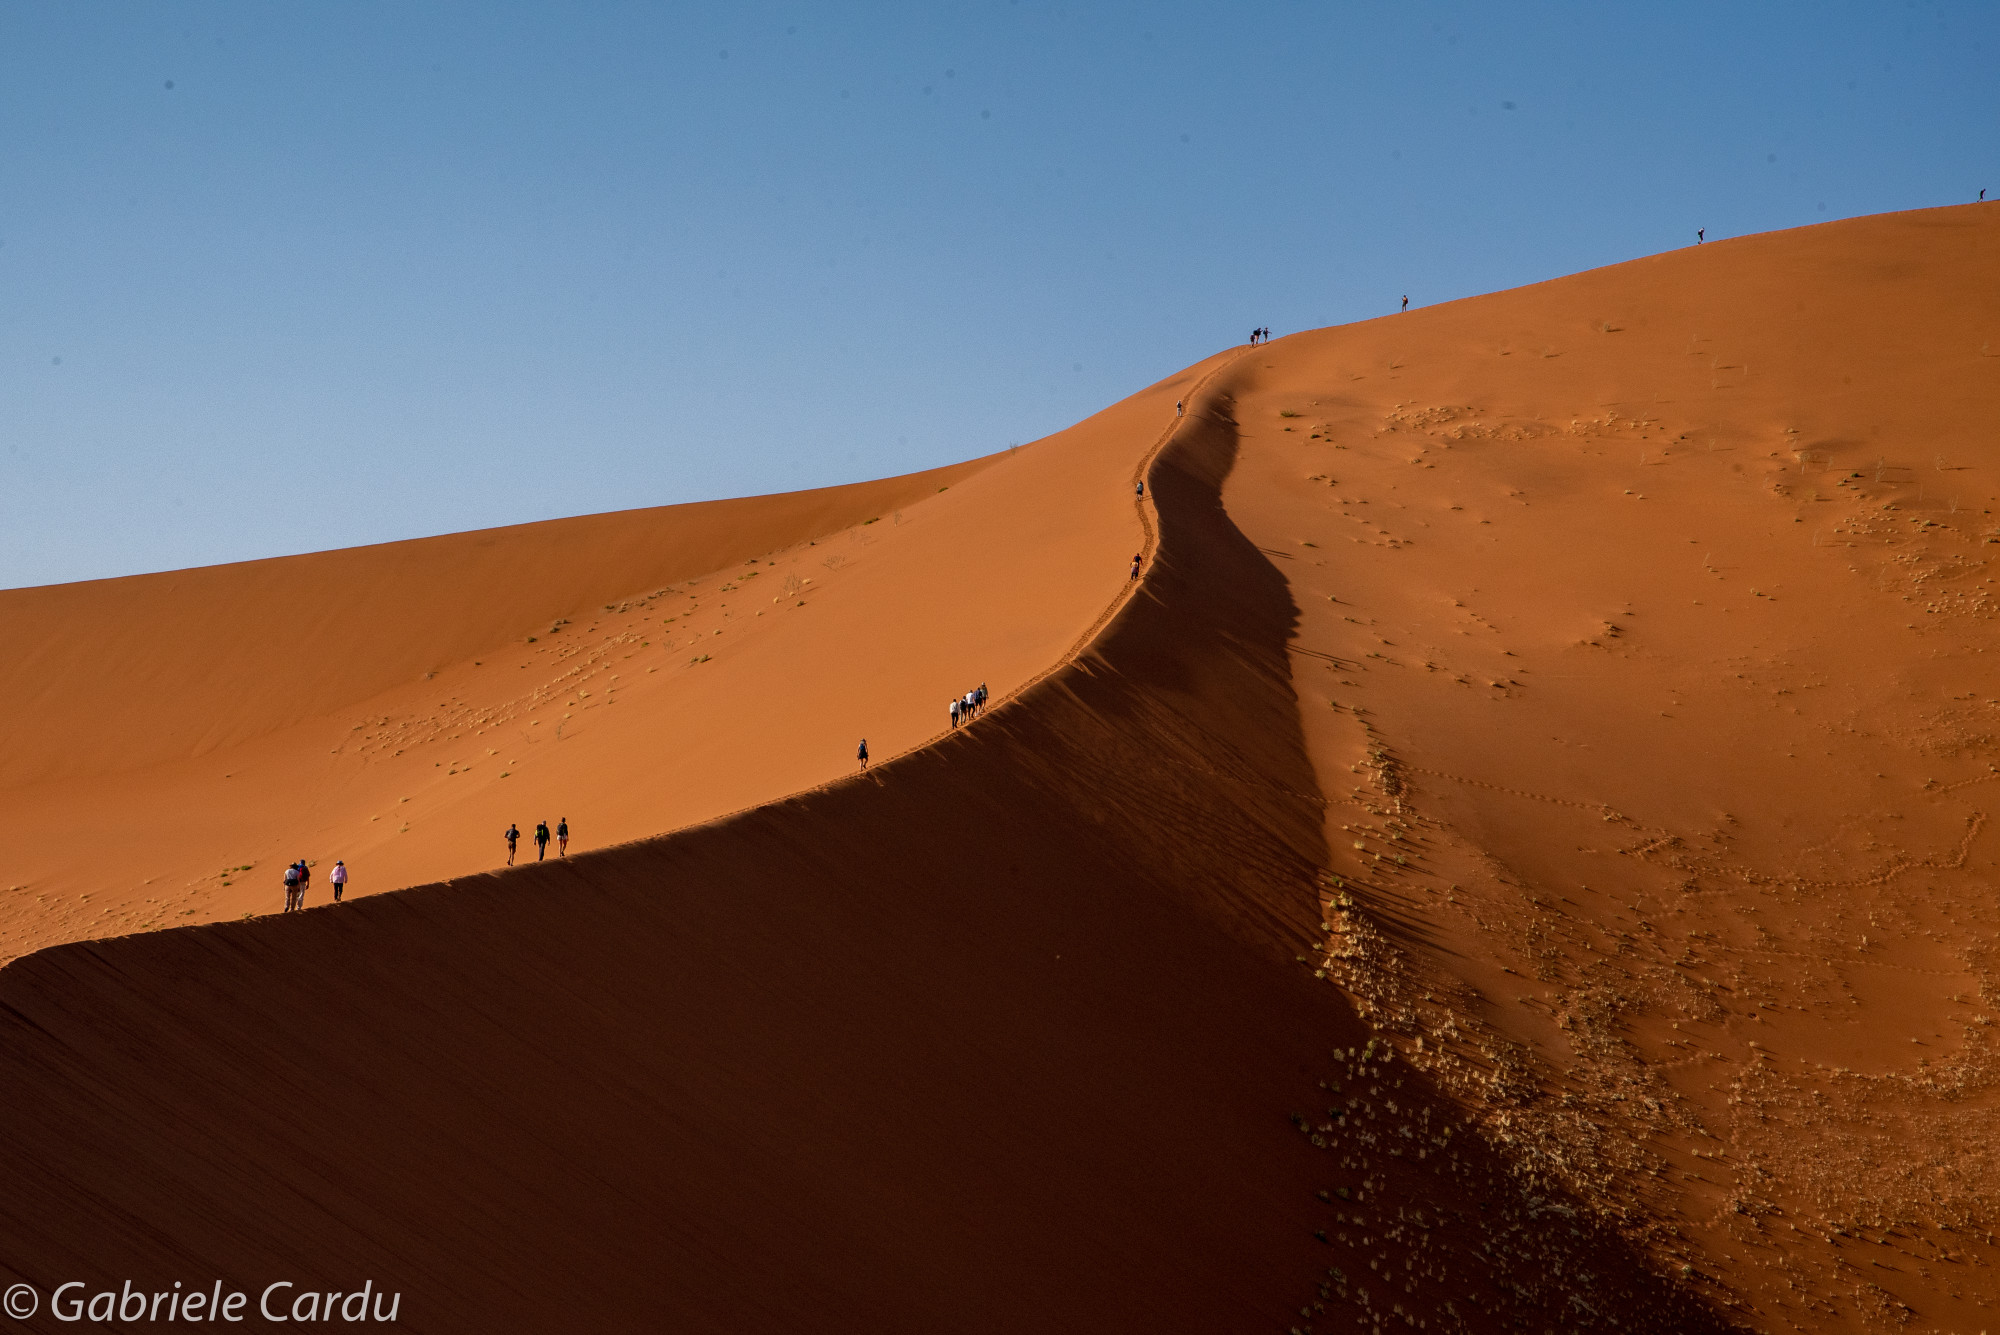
(186, 736)
(1005, 1035)
(1647, 655)
(1516, 861)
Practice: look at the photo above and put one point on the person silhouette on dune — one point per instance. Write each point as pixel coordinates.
(337, 878)
(861, 753)
(512, 836)
(1406, 303)
(562, 837)
(541, 839)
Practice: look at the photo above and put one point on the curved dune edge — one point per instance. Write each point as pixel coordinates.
(690, 691)
(1005, 1035)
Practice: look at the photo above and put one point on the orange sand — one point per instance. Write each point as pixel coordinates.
(183, 737)
(1544, 647)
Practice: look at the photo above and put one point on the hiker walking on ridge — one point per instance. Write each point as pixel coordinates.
(291, 887)
(954, 712)
(861, 753)
(1135, 564)
(305, 880)
(1699, 233)
(337, 878)
(1406, 303)
(1180, 407)
(541, 839)
(512, 837)
(562, 837)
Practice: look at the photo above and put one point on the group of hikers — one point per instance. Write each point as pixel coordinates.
(513, 837)
(962, 711)
(963, 708)
(298, 877)
(1259, 336)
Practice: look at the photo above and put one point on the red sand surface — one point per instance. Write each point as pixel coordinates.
(1517, 860)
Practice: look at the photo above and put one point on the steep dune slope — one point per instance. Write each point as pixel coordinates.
(1649, 635)
(1006, 1035)
(388, 706)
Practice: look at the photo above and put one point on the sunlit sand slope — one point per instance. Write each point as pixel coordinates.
(1648, 651)
(181, 738)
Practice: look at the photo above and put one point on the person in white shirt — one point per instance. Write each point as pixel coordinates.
(338, 877)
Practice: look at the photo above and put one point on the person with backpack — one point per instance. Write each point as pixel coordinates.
(305, 880)
(512, 836)
(291, 887)
(862, 754)
(562, 837)
(541, 839)
(337, 878)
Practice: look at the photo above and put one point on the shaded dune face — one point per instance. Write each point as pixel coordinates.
(1009, 1034)
(1648, 659)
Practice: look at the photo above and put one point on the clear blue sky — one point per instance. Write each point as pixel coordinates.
(280, 277)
